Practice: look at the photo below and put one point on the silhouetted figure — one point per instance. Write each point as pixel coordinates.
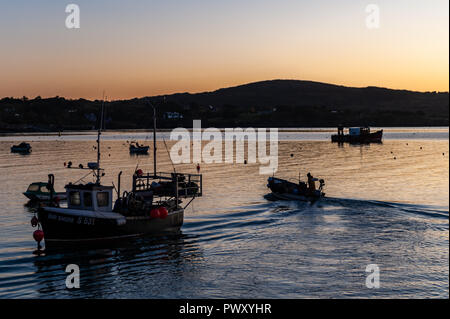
(311, 183)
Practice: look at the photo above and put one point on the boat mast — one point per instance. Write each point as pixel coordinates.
(154, 140)
(98, 141)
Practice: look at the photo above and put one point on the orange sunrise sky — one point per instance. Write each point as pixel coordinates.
(143, 48)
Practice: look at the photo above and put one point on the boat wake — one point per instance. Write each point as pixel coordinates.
(239, 248)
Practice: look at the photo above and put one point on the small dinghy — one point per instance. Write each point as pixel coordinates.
(135, 148)
(21, 148)
(287, 190)
(42, 192)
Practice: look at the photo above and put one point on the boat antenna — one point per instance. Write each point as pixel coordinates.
(98, 140)
(154, 137)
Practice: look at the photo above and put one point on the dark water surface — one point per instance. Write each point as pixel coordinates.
(387, 205)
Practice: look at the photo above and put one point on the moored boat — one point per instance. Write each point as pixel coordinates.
(21, 148)
(357, 135)
(136, 148)
(152, 207)
(41, 192)
(91, 216)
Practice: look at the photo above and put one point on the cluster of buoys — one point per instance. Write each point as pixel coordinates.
(159, 212)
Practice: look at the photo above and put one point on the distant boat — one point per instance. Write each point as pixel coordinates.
(41, 192)
(357, 135)
(135, 148)
(21, 148)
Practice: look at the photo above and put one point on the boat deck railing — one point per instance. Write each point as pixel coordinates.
(187, 185)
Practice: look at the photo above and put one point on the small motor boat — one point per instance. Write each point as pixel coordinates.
(135, 148)
(21, 148)
(41, 192)
(287, 190)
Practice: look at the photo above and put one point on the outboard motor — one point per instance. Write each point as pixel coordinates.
(322, 184)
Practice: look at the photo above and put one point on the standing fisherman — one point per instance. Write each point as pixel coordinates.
(311, 183)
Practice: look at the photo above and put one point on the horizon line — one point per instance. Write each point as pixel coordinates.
(222, 88)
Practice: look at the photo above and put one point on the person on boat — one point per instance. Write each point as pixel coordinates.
(311, 183)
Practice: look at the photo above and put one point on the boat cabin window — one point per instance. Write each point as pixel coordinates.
(87, 198)
(102, 199)
(44, 189)
(365, 130)
(74, 199)
(33, 188)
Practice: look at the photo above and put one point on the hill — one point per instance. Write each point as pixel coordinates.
(279, 103)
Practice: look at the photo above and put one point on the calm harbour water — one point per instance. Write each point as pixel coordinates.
(387, 204)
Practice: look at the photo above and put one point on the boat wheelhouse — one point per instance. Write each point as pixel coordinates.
(89, 197)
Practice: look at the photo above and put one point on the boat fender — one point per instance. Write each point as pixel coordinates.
(154, 213)
(34, 221)
(38, 235)
(163, 213)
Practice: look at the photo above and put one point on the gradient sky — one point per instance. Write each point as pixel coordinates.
(134, 48)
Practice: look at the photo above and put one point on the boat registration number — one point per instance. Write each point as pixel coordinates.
(86, 221)
(80, 220)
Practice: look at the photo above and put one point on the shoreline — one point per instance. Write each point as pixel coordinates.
(318, 129)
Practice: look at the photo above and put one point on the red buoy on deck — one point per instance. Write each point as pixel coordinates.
(154, 213)
(163, 213)
(139, 172)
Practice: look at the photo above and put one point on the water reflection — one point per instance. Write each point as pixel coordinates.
(103, 268)
(235, 243)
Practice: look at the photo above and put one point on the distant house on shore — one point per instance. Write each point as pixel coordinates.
(91, 117)
(173, 116)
